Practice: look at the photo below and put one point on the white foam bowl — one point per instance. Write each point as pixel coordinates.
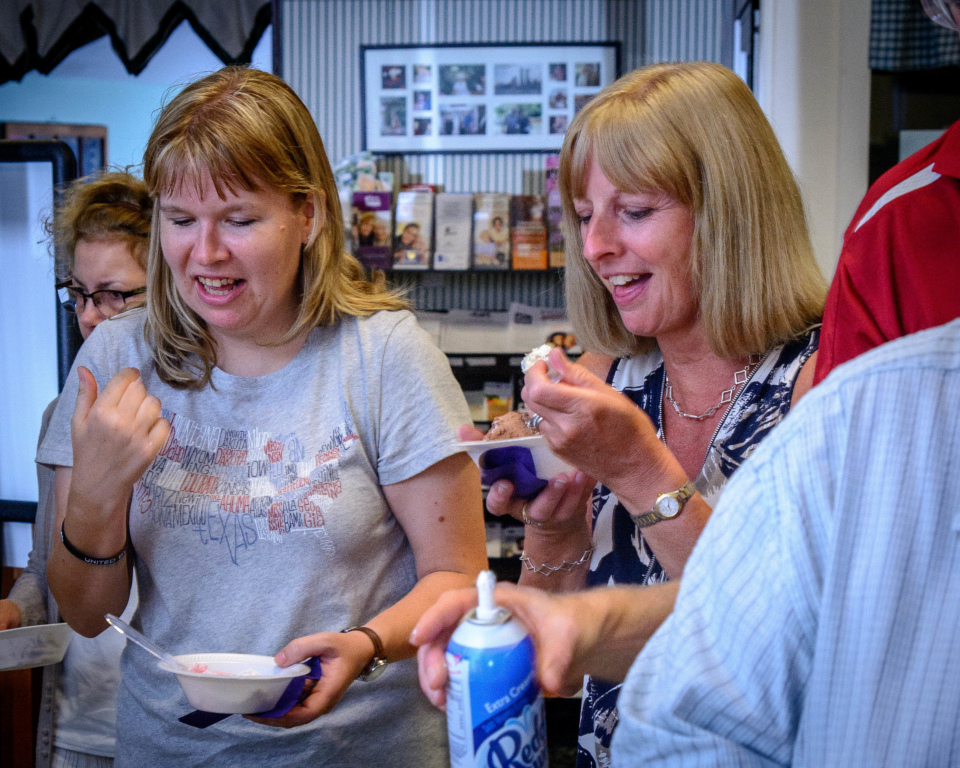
(235, 693)
(35, 646)
(547, 465)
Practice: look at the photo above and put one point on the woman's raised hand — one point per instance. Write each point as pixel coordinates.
(116, 434)
(588, 423)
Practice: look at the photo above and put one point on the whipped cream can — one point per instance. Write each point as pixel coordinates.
(495, 710)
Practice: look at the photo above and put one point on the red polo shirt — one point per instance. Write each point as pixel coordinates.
(899, 271)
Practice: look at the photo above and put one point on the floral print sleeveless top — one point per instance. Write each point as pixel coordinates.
(621, 555)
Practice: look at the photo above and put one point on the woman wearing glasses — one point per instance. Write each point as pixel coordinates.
(96, 306)
(101, 233)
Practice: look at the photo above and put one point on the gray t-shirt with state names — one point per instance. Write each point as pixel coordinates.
(263, 520)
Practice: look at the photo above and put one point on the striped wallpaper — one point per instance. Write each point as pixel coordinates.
(321, 42)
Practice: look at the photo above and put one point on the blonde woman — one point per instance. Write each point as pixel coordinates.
(99, 236)
(691, 280)
(269, 443)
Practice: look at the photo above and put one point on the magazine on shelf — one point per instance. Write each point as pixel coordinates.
(413, 232)
(528, 229)
(371, 229)
(454, 231)
(346, 214)
(555, 253)
(491, 231)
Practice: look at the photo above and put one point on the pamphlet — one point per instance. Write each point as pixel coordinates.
(371, 228)
(529, 231)
(454, 231)
(491, 231)
(413, 233)
(555, 253)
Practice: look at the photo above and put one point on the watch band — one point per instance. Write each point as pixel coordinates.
(681, 496)
(379, 660)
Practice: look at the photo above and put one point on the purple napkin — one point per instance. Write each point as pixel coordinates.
(200, 719)
(515, 464)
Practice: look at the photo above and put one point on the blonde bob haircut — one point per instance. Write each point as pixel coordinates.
(112, 206)
(694, 131)
(248, 130)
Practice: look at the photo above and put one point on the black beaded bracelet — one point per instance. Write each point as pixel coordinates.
(86, 558)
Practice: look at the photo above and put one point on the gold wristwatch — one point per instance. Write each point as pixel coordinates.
(667, 506)
(378, 663)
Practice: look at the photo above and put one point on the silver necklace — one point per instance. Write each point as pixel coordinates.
(740, 377)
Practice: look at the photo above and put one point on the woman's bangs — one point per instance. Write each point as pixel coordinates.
(189, 161)
(630, 150)
(579, 166)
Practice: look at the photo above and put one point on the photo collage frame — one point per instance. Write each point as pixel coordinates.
(479, 98)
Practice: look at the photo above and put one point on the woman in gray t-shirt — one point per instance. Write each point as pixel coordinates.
(271, 442)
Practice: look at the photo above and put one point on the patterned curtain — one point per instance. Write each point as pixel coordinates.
(39, 34)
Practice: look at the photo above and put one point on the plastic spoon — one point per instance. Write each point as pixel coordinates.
(132, 634)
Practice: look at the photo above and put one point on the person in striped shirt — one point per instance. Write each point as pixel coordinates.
(818, 618)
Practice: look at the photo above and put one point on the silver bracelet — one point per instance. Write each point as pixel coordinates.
(546, 569)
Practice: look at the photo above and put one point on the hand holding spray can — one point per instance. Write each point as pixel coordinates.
(495, 711)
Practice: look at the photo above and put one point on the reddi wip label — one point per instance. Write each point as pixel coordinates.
(495, 710)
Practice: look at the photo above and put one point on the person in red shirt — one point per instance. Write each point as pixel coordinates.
(899, 270)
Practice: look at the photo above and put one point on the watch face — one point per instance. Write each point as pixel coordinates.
(668, 507)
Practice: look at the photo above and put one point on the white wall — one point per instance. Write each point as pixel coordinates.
(28, 356)
(815, 88)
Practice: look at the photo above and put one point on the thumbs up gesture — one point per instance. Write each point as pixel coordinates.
(116, 434)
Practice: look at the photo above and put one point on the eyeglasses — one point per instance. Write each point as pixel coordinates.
(108, 302)
(939, 12)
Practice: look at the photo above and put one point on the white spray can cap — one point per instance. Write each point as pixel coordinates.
(486, 607)
(487, 610)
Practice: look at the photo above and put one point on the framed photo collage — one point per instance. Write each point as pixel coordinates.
(478, 98)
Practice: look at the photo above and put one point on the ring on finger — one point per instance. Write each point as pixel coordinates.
(527, 520)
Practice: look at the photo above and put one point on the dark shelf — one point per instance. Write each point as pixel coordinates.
(506, 568)
(485, 360)
(504, 520)
(473, 370)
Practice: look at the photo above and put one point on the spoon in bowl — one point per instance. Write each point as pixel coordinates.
(147, 645)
